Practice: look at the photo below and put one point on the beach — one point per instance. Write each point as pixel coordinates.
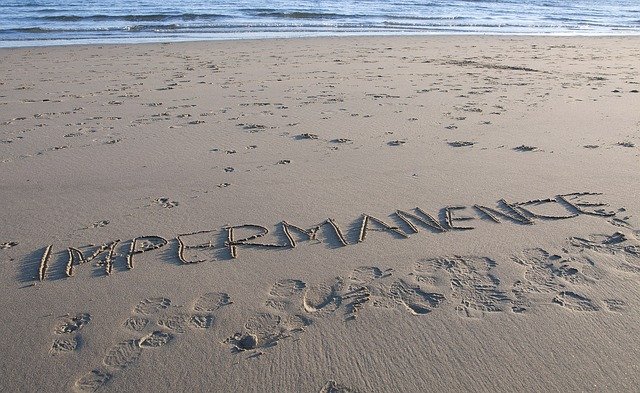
(346, 214)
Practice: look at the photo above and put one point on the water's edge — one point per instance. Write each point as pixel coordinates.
(68, 22)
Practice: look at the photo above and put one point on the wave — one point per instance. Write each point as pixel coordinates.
(33, 30)
(131, 18)
(462, 25)
(103, 20)
(155, 28)
(128, 28)
(300, 15)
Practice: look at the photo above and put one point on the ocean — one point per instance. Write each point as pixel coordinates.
(54, 22)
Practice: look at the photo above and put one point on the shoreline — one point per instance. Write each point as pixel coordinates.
(161, 41)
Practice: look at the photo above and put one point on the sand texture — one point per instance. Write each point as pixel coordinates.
(321, 215)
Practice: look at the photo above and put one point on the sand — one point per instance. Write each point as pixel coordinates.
(289, 215)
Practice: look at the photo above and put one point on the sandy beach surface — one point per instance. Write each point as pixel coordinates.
(382, 214)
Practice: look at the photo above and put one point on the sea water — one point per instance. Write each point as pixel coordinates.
(48, 22)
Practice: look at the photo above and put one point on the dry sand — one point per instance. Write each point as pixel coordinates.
(143, 143)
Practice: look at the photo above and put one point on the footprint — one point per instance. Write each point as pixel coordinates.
(204, 306)
(266, 329)
(295, 323)
(285, 295)
(544, 269)
(525, 148)
(263, 324)
(574, 301)
(7, 245)
(68, 325)
(287, 288)
(177, 323)
(123, 355)
(100, 224)
(367, 274)
(417, 301)
(334, 387)
(137, 324)
(615, 305)
(461, 143)
(154, 310)
(541, 277)
(306, 135)
(322, 298)
(152, 305)
(93, 380)
(61, 346)
(72, 324)
(618, 250)
(366, 284)
(546, 275)
(211, 301)
(474, 287)
(578, 272)
(355, 299)
(155, 339)
(202, 321)
(263, 330)
(166, 202)
(243, 342)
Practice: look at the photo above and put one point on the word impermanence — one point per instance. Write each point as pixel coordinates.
(226, 242)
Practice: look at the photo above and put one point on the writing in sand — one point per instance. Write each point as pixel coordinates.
(225, 242)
